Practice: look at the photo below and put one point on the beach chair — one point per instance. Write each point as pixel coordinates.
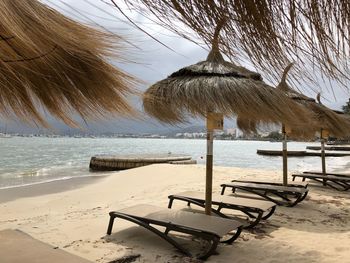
(280, 195)
(339, 183)
(292, 184)
(210, 228)
(256, 210)
(332, 173)
(19, 247)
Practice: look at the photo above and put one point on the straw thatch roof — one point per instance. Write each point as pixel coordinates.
(322, 117)
(215, 85)
(50, 61)
(270, 33)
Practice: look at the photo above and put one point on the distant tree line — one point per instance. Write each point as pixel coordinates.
(346, 107)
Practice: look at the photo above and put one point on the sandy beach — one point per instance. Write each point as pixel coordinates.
(75, 218)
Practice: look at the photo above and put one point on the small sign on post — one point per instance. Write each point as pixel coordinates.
(215, 121)
(324, 134)
(287, 129)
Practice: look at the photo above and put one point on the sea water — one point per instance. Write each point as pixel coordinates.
(33, 160)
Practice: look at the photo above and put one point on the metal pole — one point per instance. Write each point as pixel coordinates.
(209, 172)
(284, 155)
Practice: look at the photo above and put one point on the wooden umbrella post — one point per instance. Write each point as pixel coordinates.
(215, 121)
(209, 172)
(323, 154)
(284, 152)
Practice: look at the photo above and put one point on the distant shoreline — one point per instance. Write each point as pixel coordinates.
(138, 137)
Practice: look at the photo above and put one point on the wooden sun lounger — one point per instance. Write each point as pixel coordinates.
(292, 184)
(210, 228)
(256, 210)
(340, 183)
(19, 247)
(280, 195)
(334, 174)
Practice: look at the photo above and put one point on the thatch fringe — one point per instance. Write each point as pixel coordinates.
(247, 126)
(322, 117)
(50, 61)
(215, 85)
(270, 33)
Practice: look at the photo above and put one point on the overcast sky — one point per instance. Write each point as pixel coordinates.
(153, 61)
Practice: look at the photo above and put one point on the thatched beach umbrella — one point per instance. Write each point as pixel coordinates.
(216, 86)
(319, 119)
(324, 120)
(325, 133)
(50, 62)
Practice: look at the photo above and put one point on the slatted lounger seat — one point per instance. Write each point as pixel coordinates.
(210, 228)
(340, 183)
(280, 195)
(256, 210)
(19, 247)
(334, 174)
(293, 184)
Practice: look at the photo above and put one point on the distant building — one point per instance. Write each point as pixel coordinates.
(188, 135)
(232, 132)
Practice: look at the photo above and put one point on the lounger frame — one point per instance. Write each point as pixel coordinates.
(294, 184)
(282, 198)
(212, 238)
(334, 174)
(256, 214)
(336, 182)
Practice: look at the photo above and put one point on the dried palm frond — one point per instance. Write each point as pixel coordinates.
(215, 85)
(316, 34)
(50, 61)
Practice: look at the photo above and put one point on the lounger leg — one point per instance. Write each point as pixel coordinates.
(298, 200)
(303, 197)
(223, 189)
(270, 213)
(110, 225)
(234, 237)
(214, 243)
(255, 222)
(171, 200)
